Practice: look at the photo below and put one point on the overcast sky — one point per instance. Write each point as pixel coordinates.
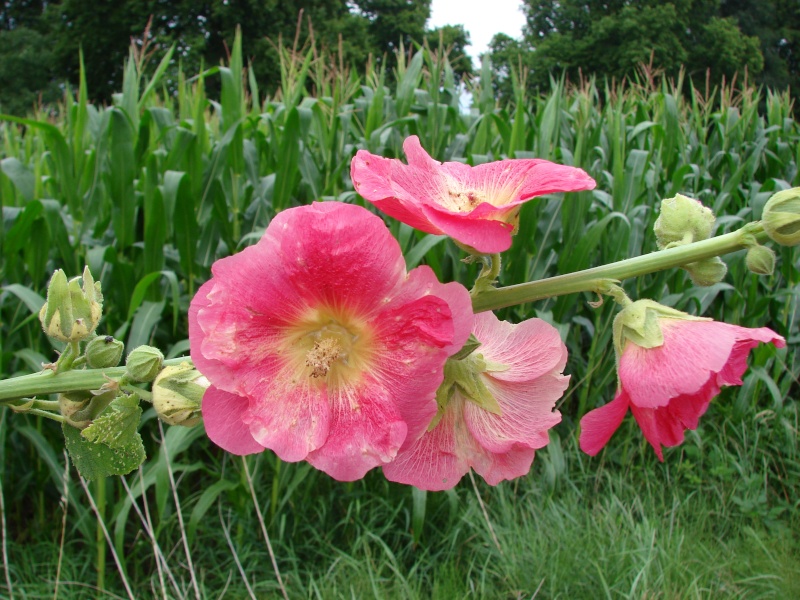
(481, 18)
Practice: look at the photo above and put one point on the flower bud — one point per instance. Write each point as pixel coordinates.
(707, 272)
(760, 260)
(177, 394)
(682, 220)
(144, 363)
(72, 312)
(104, 352)
(72, 403)
(781, 217)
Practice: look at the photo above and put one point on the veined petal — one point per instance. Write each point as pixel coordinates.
(366, 432)
(598, 425)
(224, 415)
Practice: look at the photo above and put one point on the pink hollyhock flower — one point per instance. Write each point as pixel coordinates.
(476, 206)
(670, 366)
(496, 406)
(318, 344)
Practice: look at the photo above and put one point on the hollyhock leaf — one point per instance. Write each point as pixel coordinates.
(96, 461)
(598, 425)
(223, 416)
(117, 424)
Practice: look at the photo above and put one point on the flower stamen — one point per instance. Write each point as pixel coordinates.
(322, 355)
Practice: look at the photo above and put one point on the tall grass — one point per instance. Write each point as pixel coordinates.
(150, 190)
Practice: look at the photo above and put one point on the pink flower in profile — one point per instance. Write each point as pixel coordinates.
(476, 206)
(668, 383)
(318, 344)
(496, 407)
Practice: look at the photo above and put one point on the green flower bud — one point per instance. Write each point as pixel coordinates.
(104, 352)
(760, 260)
(144, 363)
(72, 403)
(178, 393)
(707, 272)
(72, 312)
(781, 217)
(682, 220)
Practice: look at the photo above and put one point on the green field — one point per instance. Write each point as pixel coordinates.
(151, 190)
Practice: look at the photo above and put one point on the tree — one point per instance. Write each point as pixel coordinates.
(452, 39)
(393, 23)
(612, 38)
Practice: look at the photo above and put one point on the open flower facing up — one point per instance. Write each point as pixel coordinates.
(670, 366)
(318, 344)
(495, 408)
(476, 206)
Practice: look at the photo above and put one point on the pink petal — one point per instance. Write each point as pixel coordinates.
(691, 353)
(510, 464)
(530, 349)
(224, 415)
(486, 236)
(290, 418)
(598, 425)
(437, 460)
(366, 432)
(527, 413)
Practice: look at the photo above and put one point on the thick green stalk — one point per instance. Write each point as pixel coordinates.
(598, 278)
(50, 382)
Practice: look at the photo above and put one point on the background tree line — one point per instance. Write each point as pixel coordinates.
(40, 39)
(611, 38)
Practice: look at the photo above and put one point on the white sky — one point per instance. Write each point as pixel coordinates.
(481, 18)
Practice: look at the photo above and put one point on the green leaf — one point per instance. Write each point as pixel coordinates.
(117, 424)
(94, 461)
(22, 177)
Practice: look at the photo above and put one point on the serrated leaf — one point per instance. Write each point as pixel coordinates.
(94, 461)
(117, 424)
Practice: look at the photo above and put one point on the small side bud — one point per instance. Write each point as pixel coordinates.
(144, 363)
(72, 403)
(178, 393)
(781, 217)
(104, 352)
(760, 260)
(707, 272)
(682, 220)
(71, 312)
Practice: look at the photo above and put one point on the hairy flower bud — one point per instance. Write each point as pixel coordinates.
(760, 260)
(72, 312)
(144, 363)
(177, 394)
(781, 217)
(707, 272)
(682, 220)
(104, 352)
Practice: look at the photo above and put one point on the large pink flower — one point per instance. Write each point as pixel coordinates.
(520, 367)
(669, 387)
(476, 206)
(319, 345)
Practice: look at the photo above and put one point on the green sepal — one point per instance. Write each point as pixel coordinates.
(95, 461)
(117, 425)
(468, 348)
(639, 322)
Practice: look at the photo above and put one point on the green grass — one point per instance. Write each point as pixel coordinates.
(151, 190)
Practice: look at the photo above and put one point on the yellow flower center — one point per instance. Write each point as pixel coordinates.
(329, 346)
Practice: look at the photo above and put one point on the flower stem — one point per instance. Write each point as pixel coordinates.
(598, 279)
(51, 382)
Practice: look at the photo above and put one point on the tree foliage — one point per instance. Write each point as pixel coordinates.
(41, 39)
(613, 38)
